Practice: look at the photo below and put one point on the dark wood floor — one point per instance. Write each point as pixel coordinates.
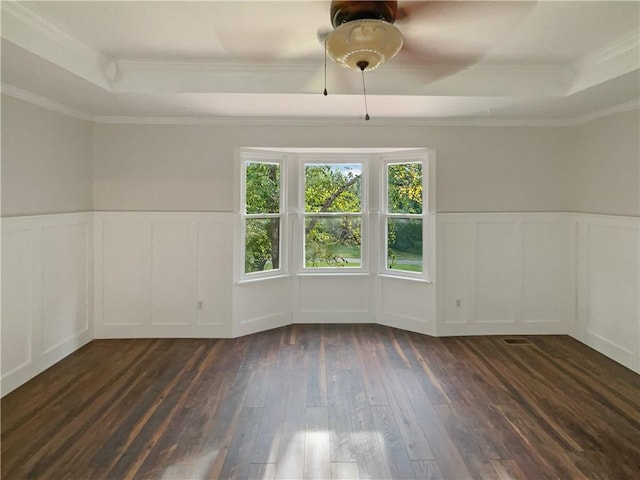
(326, 402)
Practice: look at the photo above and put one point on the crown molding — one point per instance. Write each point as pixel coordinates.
(620, 46)
(43, 102)
(29, 18)
(334, 121)
(24, 27)
(606, 112)
(618, 58)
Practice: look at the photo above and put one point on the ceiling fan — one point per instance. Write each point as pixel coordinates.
(429, 40)
(364, 34)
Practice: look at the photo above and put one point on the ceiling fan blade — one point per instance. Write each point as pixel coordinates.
(447, 37)
(450, 13)
(435, 63)
(406, 10)
(269, 30)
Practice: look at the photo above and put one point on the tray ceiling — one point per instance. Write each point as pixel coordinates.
(530, 61)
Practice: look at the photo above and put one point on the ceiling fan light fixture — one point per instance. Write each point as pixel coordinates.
(367, 40)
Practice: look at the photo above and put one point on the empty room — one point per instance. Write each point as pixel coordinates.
(320, 240)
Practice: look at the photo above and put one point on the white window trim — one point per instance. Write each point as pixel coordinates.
(257, 156)
(422, 157)
(330, 159)
(374, 210)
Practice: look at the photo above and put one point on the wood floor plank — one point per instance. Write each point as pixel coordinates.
(427, 470)
(341, 438)
(395, 455)
(507, 470)
(367, 441)
(262, 471)
(415, 442)
(445, 450)
(312, 340)
(326, 401)
(371, 374)
(292, 440)
(235, 465)
(344, 471)
(317, 447)
(267, 445)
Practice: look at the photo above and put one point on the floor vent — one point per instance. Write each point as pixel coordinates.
(517, 341)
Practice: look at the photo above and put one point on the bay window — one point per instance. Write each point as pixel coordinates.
(342, 212)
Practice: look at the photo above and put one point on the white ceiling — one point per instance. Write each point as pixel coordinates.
(546, 61)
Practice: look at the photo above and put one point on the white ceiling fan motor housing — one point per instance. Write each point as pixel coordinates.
(364, 41)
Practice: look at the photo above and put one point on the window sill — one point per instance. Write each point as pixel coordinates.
(333, 274)
(403, 277)
(246, 281)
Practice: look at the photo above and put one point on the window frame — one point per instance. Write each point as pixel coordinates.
(334, 159)
(400, 158)
(269, 158)
(374, 210)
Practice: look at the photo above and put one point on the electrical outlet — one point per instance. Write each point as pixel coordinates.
(199, 305)
(458, 303)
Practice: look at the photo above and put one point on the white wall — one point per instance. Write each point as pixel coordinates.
(190, 168)
(46, 161)
(46, 259)
(604, 166)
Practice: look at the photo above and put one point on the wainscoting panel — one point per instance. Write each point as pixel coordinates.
(609, 286)
(126, 272)
(262, 305)
(162, 274)
(65, 283)
(17, 291)
(548, 267)
(334, 299)
(498, 275)
(456, 251)
(214, 272)
(173, 281)
(407, 304)
(46, 292)
(504, 273)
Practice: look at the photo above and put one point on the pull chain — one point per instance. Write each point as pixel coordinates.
(364, 90)
(325, 68)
